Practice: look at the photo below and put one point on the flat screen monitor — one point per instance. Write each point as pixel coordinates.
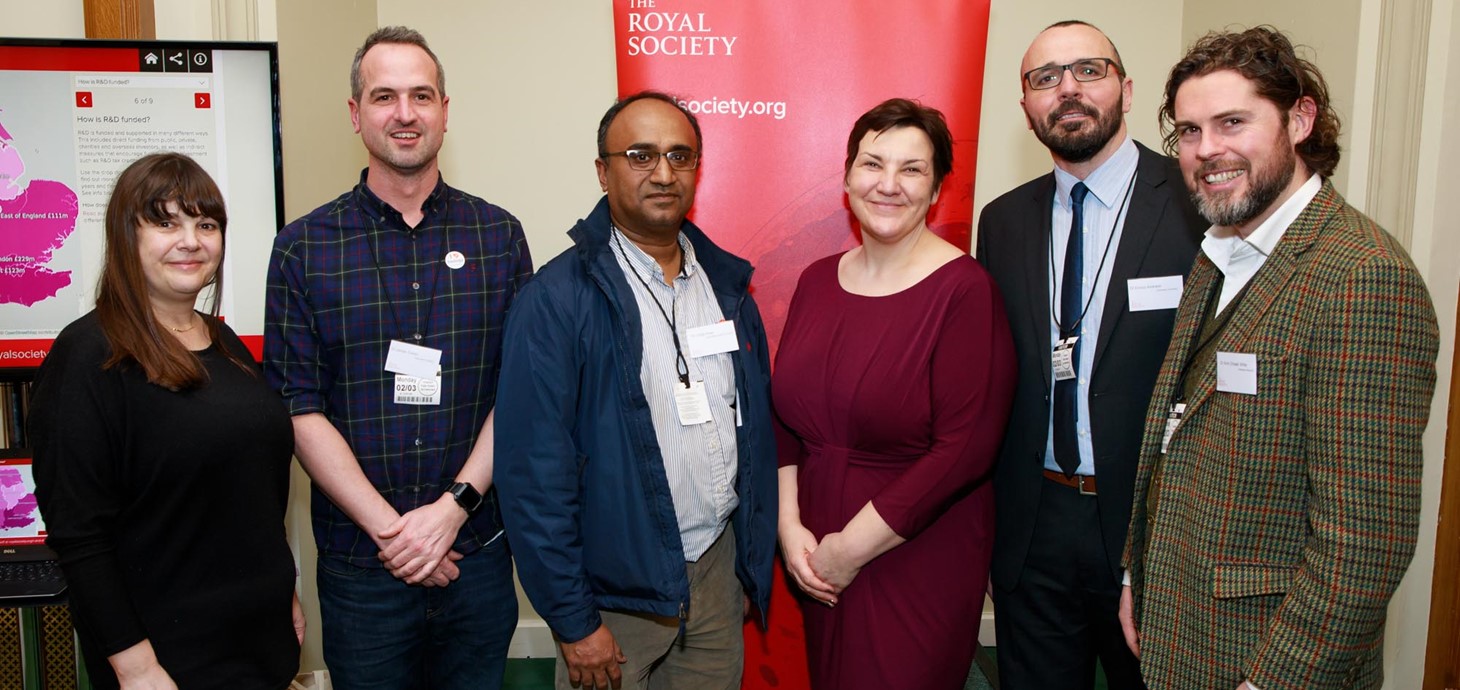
(73, 114)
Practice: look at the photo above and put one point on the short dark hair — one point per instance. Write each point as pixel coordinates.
(392, 34)
(1264, 56)
(1119, 63)
(901, 112)
(650, 94)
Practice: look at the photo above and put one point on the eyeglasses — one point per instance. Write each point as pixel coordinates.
(647, 159)
(1089, 69)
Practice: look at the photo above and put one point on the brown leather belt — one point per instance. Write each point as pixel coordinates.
(1084, 482)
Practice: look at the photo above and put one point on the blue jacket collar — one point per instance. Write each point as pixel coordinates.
(729, 274)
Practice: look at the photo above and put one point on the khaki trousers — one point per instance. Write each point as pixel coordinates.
(711, 653)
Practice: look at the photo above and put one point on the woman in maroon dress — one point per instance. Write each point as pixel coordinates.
(892, 382)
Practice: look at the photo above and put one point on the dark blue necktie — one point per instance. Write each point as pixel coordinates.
(1072, 303)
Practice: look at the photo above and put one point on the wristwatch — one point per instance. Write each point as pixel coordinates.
(467, 497)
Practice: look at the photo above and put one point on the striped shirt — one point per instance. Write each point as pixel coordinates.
(350, 277)
(699, 460)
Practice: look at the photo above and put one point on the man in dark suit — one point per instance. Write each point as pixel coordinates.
(1088, 357)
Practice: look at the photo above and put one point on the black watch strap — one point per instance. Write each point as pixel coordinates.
(467, 497)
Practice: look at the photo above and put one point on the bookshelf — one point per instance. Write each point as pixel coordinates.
(37, 642)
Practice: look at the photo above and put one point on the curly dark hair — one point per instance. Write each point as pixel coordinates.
(1267, 58)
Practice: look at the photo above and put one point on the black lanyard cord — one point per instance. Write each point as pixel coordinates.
(419, 334)
(681, 366)
(1054, 312)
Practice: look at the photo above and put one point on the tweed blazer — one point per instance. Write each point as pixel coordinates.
(1266, 543)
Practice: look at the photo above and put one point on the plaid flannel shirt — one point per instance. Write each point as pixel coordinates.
(350, 277)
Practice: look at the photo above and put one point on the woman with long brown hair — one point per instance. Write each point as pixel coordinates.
(162, 459)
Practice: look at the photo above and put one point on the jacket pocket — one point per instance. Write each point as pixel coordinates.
(1236, 580)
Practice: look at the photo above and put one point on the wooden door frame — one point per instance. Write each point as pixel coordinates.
(1442, 649)
(120, 19)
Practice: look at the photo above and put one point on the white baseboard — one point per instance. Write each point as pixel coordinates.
(986, 629)
(533, 640)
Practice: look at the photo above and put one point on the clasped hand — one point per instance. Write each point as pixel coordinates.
(416, 547)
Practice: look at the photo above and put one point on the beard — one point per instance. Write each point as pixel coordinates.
(1081, 143)
(1264, 186)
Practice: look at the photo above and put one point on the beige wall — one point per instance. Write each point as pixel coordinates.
(528, 83)
(31, 19)
(1327, 36)
(322, 158)
(1008, 153)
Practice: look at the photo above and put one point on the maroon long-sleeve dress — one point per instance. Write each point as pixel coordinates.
(900, 400)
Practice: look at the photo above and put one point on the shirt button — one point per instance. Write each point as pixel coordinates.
(416, 336)
(418, 443)
(415, 286)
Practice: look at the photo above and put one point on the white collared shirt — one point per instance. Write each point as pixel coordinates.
(1238, 258)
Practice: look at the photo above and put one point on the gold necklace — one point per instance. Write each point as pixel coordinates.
(190, 327)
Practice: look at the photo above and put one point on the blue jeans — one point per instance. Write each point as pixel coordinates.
(381, 634)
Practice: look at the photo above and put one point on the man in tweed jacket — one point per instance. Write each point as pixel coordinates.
(1278, 495)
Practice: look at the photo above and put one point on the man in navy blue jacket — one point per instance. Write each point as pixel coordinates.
(634, 451)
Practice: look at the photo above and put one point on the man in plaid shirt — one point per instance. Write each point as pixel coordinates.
(384, 324)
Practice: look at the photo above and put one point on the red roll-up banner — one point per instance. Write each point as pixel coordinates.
(776, 87)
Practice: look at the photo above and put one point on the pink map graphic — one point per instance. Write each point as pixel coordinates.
(36, 217)
(17, 503)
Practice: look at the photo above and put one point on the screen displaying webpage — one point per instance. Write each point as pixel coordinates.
(73, 114)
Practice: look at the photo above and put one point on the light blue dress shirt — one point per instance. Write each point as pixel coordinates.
(1105, 209)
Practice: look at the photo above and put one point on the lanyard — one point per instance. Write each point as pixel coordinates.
(681, 366)
(420, 333)
(1053, 311)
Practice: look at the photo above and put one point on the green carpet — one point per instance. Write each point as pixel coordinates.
(537, 674)
(529, 674)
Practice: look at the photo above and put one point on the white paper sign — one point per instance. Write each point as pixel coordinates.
(413, 360)
(1237, 373)
(712, 339)
(1151, 294)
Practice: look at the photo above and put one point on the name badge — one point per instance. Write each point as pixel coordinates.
(1064, 358)
(413, 360)
(1151, 294)
(1173, 420)
(692, 404)
(712, 339)
(1237, 373)
(412, 390)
